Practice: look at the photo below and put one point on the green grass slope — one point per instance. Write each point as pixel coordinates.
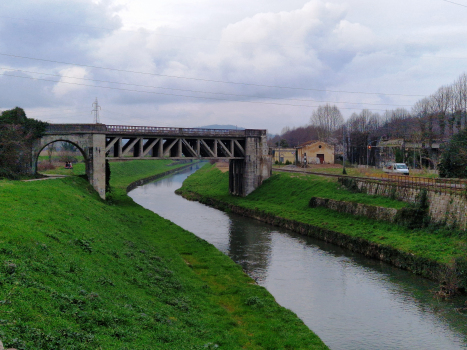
(79, 273)
(287, 196)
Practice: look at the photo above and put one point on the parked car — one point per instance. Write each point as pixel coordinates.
(396, 168)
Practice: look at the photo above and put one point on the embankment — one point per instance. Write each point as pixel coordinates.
(77, 272)
(445, 207)
(283, 200)
(155, 177)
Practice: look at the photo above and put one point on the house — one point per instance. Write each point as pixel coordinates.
(317, 152)
(282, 155)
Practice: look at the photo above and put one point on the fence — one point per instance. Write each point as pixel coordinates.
(124, 129)
(433, 184)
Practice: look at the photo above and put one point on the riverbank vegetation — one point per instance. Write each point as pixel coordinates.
(17, 132)
(287, 196)
(77, 272)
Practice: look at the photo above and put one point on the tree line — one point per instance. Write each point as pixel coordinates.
(433, 119)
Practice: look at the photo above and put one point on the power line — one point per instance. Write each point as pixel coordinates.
(60, 23)
(166, 94)
(455, 3)
(198, 91)
(205, 80)
(231, 41)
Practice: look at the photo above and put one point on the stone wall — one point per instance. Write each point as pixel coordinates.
(369, 211)
(444, 208)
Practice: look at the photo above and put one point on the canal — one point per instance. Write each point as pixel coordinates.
(351, 302)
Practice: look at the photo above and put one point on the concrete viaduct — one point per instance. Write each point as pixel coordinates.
(247, 150)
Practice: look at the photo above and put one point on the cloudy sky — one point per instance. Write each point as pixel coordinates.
(256, 64)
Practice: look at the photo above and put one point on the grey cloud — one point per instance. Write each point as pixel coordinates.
(311, 44)
(23, 92)
(58, 30)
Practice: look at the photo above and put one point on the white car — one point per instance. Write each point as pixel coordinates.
(396, 168)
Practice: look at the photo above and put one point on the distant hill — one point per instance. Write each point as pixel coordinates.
(217, 126)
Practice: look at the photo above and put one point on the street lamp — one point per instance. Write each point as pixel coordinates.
(368, 156)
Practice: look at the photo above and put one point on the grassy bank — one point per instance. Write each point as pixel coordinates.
(287, 196)
(353, 171)
(79, 273)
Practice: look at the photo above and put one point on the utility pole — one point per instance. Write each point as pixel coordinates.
(344, 149)
(96, 111)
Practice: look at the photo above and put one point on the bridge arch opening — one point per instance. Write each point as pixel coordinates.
(62, 157)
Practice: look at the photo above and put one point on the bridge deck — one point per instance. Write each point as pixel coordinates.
(150, 142)
(148, 130)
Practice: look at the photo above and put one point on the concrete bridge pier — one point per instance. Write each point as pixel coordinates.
(245, 175)
(96, 161)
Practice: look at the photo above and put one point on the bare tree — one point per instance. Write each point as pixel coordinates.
(50, 151)
(397, 123)
(285, 129)
(328, 119)
(421, 110)
(365, 122)
(460, 96)
(441, 102)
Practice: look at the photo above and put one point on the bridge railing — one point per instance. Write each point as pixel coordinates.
(80, 128)
(128, 129)
(124, 129)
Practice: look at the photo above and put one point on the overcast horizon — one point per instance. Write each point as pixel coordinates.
(262, 64)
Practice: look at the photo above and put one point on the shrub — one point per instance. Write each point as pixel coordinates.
(16, 135)
(454, 157)
(350, 184)
(255, 302)
(42, 166)
(415, 215)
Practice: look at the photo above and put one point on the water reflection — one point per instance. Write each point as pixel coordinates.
(250, 246)
(351, 302)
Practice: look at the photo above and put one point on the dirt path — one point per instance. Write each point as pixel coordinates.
(48, 177)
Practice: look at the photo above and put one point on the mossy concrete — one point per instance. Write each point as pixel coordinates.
(445, 207)
(354, 208)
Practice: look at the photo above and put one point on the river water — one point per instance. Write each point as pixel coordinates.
(351, 302)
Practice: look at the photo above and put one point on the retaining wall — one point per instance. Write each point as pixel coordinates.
(369, 211)
(444, 208)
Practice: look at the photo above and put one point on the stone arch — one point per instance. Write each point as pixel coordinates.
(42, 143)
(92, 147)
(36, 156)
